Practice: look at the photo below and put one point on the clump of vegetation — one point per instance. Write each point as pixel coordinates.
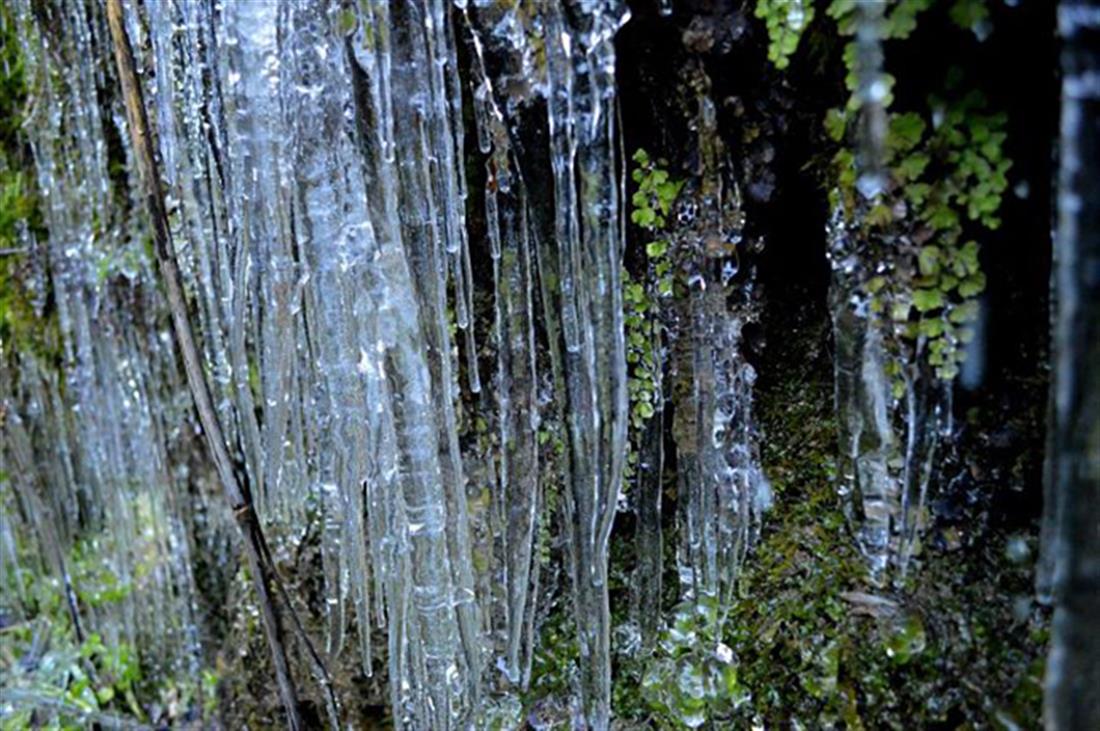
(943, 177)
(22, 325)
(652, 203)
(554, 664)
(817, 647)
(58, 680)
(946, 175)
(786, 20)
(692, 678)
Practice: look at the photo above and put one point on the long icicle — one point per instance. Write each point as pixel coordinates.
(1073, 666)
(580, 64)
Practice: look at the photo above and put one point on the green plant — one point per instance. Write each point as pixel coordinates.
(946, 176)
(656, 192)
(786, 20)
(117, 673)
(73, 680)
(971, 14)
(652, 203)
(692, 677)
(556, 653)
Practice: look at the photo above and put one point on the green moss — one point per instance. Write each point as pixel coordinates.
(816, 646)
(24, 327)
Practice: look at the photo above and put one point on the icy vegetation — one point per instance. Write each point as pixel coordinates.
(360, 366)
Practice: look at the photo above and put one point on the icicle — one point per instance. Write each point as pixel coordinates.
(886, 470)
(107, 480)
(867, 440)
(1073, 543)
(404, 85)
(871, 92)
(580, 73)
(722, 490)
(516, 384)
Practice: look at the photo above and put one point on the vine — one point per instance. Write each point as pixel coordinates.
(652, 202)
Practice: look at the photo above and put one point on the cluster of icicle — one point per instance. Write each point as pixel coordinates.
(315, 154)
(88, 453)
(313, 158)
(722, 489)
(887, 444)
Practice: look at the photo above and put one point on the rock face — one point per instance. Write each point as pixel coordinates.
(580, 363)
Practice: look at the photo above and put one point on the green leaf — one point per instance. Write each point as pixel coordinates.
(927, 299)
(965, 312)
(943, 217)
(666, 194)
(913, 166)
(968, 255)
(836, 123)
(902, 21)
(972, 285)
(785, 21)
(905, 132)
(928, 260)
(931, 328)
(644, 217)
(655, 249)
(969, 14)
(948, 371)
(880, 215)
(917, 193)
